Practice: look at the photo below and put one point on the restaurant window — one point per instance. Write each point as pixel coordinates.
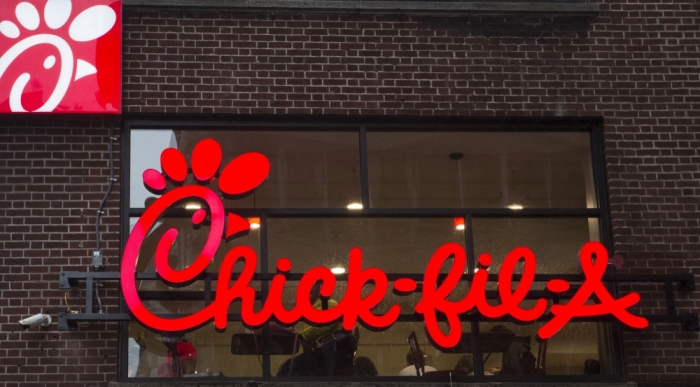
(397, 192)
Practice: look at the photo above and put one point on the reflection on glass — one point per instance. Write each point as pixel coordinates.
(146, 146)
(578, 348)
(203, 352)
(530, 170)
(395, 245)
(555, 241)
(308, 169)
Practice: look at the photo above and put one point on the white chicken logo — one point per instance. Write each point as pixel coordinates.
(89, 25)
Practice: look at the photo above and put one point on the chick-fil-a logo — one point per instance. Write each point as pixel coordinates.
(244, 173)
(60, 56)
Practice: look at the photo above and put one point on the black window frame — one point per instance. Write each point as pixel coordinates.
(594, 126)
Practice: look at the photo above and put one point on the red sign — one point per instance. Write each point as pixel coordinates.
(60, 56)
(249, 170)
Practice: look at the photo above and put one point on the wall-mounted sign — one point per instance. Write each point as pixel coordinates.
(60, 56)
(245, 173)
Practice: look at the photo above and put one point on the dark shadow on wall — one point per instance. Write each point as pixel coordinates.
(514, 26)
(521, 26)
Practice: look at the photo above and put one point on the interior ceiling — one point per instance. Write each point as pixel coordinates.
(411, 170)
(444, 143)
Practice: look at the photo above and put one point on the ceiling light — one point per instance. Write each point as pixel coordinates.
(355, 206)
(515, 206)
(254, 223)
(338, 270)
(193, 206)
(459, 224)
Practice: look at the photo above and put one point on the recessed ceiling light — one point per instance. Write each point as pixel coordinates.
(355, 206)
(515, 206)
(193, 206)
(338, 270)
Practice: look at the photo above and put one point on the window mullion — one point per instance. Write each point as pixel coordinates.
(364, 173)
(264, 287)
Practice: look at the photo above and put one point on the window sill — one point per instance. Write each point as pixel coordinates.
(414, 382)
(448, 8)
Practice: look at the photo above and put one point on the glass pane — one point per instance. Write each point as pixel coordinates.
(577, 349)
(175, 306)
(384, 353)
(390, 352)
(406, 302)
(186, 248)
(146, 146)
(308, 169)
(203, 352)
(555, 241)
(395, 245)
(451, 169)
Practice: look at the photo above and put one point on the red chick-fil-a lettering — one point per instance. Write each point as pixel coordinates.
(435, 296)
(247, 172)
(594, 260)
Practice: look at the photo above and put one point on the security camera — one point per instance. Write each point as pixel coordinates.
(38, 319)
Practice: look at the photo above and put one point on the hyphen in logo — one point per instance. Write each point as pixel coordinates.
(248, 171)
(60, 56)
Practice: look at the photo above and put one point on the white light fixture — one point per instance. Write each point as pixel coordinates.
(193, 206)
(338, 270)
(355, 206)
(515, 206)
(254, 223)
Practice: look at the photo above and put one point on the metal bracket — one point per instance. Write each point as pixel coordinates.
(69, 321)
(69, 280)
(690, 323)
(66, 325)
(686, 282)
(66, 281)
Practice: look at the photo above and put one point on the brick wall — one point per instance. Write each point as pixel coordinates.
(637, 65)
(53, 174)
